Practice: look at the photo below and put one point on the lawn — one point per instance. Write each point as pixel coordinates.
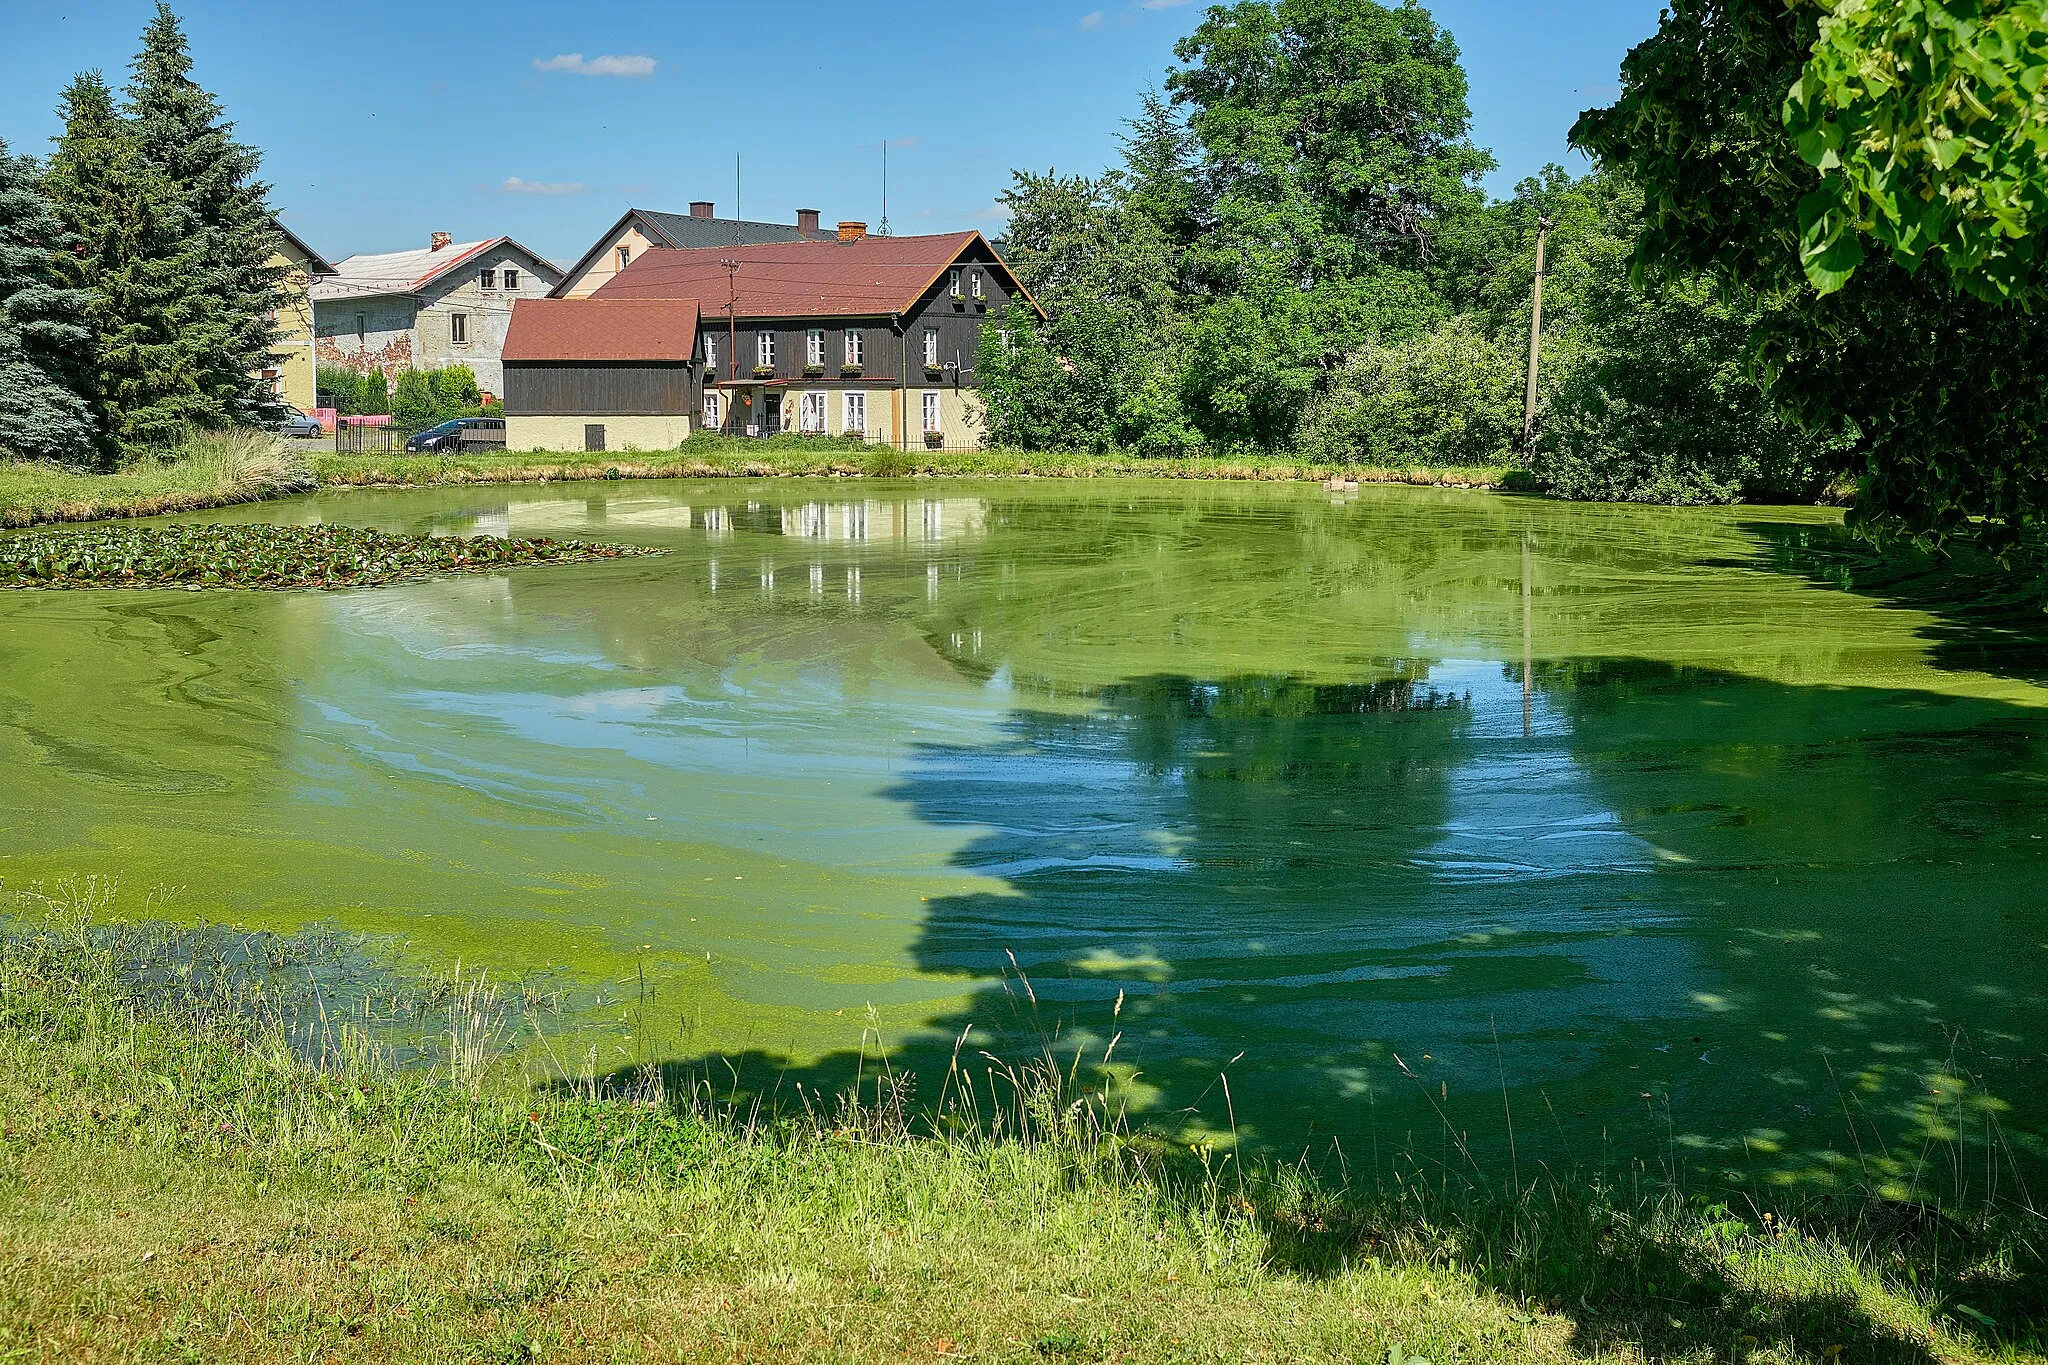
(194, 1164)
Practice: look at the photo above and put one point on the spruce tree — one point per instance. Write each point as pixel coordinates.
(134, 253)
(44, 345)
(182, 135)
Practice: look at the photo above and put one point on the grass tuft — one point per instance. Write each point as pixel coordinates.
(205, 469)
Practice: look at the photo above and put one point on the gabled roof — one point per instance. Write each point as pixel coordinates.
(407, 272)
(687, 230)
(316, 264)
(602, 329)
(873, 277)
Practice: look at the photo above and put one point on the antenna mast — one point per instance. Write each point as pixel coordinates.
(883, 230)
(737, 205)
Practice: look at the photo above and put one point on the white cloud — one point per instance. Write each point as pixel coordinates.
(514, 185)
(577, 65)
(1092, 19)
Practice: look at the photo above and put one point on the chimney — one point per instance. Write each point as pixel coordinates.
(852, 232)
(807, 222)
(439, 240)
(702, 208)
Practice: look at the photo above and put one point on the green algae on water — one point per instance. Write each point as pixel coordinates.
(273, 557)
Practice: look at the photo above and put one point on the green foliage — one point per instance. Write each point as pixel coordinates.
(44, 355)
(414, 402)
(340, 385)
(456, 393)
(1926, 119)
(373, 393)
(125, 556)
(1448, 396)
(1938, 398)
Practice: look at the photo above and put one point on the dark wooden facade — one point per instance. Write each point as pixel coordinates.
(602, 388)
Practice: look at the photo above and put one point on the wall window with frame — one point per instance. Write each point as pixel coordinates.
(487, 278)
(458, 328)
(714, 416)
(811, 414)
(625, 257)
(932, 421)
(710, 357)
(954, 284)
(362, 328)
(931, 348)
(764, 350)
(855, 348)
(511, 278)
(814, 348)
(856, 413)
(974, 283)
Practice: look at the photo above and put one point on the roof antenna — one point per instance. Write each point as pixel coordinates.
(738, 208)
(883, 230)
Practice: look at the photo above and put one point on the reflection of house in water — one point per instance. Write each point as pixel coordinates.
(920, 521)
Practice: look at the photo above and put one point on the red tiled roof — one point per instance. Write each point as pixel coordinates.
(868, 278)
(602, 329)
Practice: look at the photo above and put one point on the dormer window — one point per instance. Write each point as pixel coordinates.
(955, 286)
(625, 257)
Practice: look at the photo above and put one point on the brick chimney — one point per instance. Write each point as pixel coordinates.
(852, 232)
(807, 222)
(438, 240)
(702, 208)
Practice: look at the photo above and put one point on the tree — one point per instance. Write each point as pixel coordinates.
(413, 400)
(373, 396)
(181, 133)
(134, 257)
(1448, 396)
(1939, 398)
(456, 391)
(44, 343)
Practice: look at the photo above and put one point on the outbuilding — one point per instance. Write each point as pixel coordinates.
(602, 374)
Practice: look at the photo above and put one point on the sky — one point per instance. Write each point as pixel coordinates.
(381, 122)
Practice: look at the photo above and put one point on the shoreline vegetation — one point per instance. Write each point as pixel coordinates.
(212, 1147)
(210, 470)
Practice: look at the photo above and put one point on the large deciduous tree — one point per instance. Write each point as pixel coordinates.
(1941, 396)
(44, 345)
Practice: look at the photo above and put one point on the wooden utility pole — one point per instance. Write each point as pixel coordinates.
(732, 330)
(1535, 334)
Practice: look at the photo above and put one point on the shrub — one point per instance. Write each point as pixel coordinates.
(414, 402)
(456, 391)
(373, 393)
(338, 385)
(1447, 396)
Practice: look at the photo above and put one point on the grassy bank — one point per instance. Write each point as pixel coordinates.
(208, 469)
(201, 1160)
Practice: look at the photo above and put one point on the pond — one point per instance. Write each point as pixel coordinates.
(1628, 830)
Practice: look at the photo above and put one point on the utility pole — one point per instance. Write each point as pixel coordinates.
(732, 326)
(1528, 637)
(1535, 335)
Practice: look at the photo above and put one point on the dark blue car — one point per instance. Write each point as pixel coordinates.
(458, 434)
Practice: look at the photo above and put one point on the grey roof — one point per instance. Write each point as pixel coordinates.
(682, 230)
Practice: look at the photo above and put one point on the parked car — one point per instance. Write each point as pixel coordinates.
(297, 423)
(461, 433)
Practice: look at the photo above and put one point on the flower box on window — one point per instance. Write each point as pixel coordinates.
(935, 372)
(849, 371)
(959, 303)
(935, 439)
(981, 305)
(813, 371)
(764, 372)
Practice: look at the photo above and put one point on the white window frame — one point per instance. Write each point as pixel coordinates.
(625, 257)
(856, 348)
(764, 350)
(854, 404)
(931, 348)
(710, 355)
(713, 414)
(814, 347)
(934, 413)
(955, 284)
(458, 329)
(811, 409)
(511, 278)
(974, 283)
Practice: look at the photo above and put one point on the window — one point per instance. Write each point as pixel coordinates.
(712, 415)
(487, 278)
(931, 348)
(625, 256)
(764, 350)
(856, 414)
(458, 328)
(931, 412)
(710, 355)
(511, 278)
(974, 280)
(853, 348)
(362, 327)
(814, 349)
(1003, 336)
(811, 417)
(955, 286)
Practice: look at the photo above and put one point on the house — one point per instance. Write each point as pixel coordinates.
(290, 373)
(602, 374)
(447, 304)
(872, 336)
(644, 230)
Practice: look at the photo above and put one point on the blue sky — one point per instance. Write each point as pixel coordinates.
(381, 122)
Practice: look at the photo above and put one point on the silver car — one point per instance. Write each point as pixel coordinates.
(296, 423)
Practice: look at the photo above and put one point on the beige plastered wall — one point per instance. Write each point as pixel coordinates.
(622, 435)
(607, 264)
(292, 351)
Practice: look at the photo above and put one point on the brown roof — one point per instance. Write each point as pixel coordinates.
(602, 329)
(868, 278)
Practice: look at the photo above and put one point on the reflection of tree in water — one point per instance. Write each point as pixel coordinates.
(1861, 868)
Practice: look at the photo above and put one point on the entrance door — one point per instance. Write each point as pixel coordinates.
(771, 412)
